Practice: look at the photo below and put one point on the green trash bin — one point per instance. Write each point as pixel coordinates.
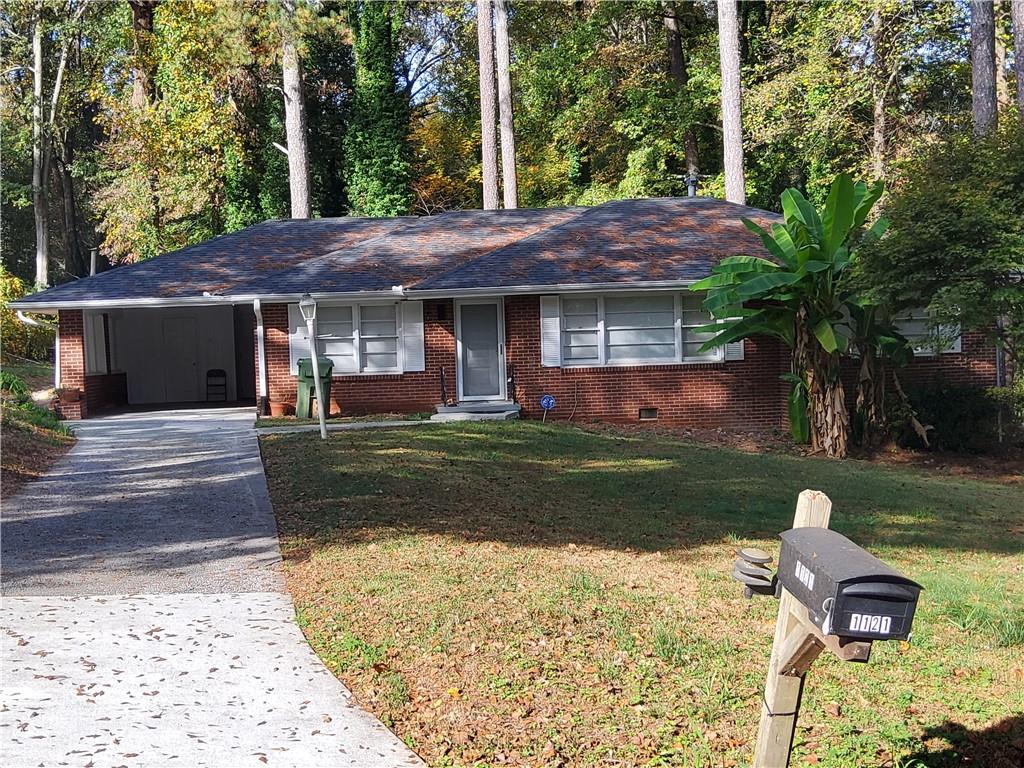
(307, 385)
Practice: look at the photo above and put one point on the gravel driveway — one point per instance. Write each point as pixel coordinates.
(144, 621)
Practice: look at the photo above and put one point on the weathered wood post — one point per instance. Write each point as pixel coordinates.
(842, 599)
(782, 692)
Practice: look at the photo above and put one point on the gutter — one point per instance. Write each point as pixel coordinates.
(396, 292)
(211, 300)
(649, 285)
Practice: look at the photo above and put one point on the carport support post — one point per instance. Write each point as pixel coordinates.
(781, 704)
(308, 308)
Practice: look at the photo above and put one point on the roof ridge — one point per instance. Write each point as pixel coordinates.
(580, 211)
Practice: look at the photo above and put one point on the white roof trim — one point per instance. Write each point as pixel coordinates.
(395, 292)
(650, 285)
(191, 301)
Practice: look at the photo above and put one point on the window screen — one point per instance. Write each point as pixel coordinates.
(640, 328)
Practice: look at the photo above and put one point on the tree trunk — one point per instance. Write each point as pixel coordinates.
(39, 139)
(488, 140)
(295, 117)
(1003, 98)
(983, 67)
(826, 398)
(1017, 14)
(143, 83)
(884, 72)
(870, 404)
(509, 181)
(677, 69)
(75, 260)
(144, 87)
(732, 125)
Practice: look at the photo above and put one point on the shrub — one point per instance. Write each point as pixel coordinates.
(13, 388)
(30, 342)
(958, 418)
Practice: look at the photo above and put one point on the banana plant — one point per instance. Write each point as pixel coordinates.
(800, 295)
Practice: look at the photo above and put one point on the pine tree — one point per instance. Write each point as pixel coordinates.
(377, 144)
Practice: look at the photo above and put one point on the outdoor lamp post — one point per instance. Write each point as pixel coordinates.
(308, 308)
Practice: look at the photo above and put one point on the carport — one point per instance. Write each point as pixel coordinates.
(183, 354)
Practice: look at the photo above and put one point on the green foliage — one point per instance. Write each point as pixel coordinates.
(958, 418)
(803, 297)
(25, 415)
(18, 339)
(957, 240)
(377, 148)
(14, 387)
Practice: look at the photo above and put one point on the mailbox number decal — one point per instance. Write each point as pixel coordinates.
(866, 622)
(804, 575)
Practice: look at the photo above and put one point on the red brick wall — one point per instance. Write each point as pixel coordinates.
(974, 365)
(405, 393)
(740, 394)
(105, 390)
(72, 361)
(99, 391)
(737, 394)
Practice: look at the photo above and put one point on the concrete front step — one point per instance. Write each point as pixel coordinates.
(484, 406)
(476, 415)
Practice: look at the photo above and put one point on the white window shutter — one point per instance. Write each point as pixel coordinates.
(550, 332)
(734, 350)
(298, 338)
(413, 354)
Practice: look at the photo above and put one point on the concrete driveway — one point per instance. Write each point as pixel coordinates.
(144, 621)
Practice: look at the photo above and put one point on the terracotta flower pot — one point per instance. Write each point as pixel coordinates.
(69, 395)
(278, 409)
(335, 409)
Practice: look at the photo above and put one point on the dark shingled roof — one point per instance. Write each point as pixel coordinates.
(620, 242)
(223, 263)
(423, 248)
(623, 241)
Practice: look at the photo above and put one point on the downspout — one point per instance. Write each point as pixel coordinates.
(262, 408)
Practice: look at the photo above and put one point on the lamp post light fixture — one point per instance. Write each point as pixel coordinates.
(307, 306)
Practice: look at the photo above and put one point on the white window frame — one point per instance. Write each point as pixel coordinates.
(357, 339)
(602, 343)
(918, 344)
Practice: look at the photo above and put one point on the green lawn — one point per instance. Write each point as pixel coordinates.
(537, 594)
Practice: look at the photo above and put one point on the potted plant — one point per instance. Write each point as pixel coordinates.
(68, 394)
(279, 408)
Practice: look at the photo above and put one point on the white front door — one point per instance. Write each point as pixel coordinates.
(180, 360)
(480, 347)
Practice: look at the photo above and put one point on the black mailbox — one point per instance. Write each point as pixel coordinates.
(847, 591)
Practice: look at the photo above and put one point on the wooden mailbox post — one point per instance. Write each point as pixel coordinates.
(798, 642)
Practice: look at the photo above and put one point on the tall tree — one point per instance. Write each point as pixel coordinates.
(295, 115)
(488, 138)
(39, 153)
(681, 76)
(732, 120)
(377, 140)
(509, 181)
(983, 67)
(1017, 15)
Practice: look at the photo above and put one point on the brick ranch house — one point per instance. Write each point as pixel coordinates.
(589, 305)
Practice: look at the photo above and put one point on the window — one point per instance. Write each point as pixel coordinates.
(925, 337)
(378, 337)
(694, 316)
(580, 332)
(359, 338)
(640, 328)
(626, 330)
